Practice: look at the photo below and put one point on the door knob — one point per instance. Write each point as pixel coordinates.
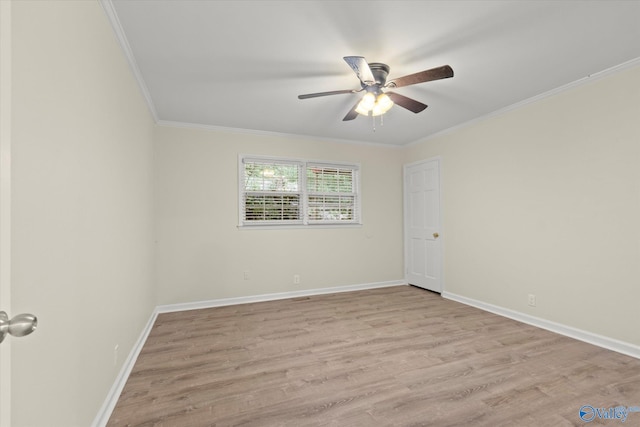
(18, 326)
(436, 235)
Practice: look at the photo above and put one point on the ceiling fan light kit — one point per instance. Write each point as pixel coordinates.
(373, 80)
(376, 105)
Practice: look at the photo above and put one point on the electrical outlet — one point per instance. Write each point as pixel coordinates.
(246, 275)
(531, 300)
(296, 279)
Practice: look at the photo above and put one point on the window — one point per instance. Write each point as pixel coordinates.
(294, 192)
(272, 192)
(331, 194)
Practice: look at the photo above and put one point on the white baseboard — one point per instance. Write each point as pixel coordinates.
(272, 297)
(114, 393)
(579, 334)
(112, 397)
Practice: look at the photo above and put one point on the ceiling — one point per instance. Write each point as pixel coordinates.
(242, 64)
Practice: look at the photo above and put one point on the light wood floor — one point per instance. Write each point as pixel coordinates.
(398, 356)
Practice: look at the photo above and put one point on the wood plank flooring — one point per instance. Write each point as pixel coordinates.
(397, 356)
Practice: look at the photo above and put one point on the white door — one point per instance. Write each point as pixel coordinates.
(5, 208)
(422, 225)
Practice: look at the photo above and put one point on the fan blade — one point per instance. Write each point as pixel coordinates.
(362, 69)
(352, 114)
(438, 73)
(333, 92)
(408, 103)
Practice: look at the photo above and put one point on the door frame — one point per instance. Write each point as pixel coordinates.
(5, 205)
(405, 202)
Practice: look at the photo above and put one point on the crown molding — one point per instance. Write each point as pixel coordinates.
(112, 16)
(109, 10)
(213, 128)
(591, 78)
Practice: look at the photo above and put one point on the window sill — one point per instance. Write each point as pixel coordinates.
(297, 226)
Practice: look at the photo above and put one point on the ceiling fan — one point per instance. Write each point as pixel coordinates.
(373, 80)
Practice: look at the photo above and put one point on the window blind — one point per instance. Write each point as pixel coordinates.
(272, 192)
(294, 192)
(331, 192)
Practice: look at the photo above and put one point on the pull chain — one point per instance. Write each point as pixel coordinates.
(373, 118)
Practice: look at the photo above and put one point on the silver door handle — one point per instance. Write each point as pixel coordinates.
(18, 326)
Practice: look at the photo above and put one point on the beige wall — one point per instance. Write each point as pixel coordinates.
(545, 199)
(201, 253)
(81, 187)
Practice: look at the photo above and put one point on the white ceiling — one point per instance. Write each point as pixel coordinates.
(241, 64)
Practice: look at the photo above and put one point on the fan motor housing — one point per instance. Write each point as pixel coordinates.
(380, 72)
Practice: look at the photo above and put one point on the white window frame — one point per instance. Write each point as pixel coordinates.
(304, 221)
